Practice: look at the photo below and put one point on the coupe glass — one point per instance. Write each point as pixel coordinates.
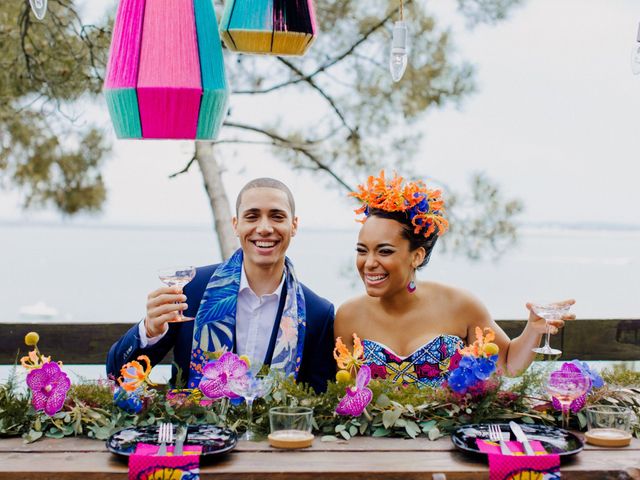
(178, 277)
(549, 311)
(251, 387)
(566, 386)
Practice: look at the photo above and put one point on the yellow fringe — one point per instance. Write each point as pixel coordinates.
(255, 41)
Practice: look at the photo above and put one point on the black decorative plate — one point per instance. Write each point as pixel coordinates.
(214, 440)
(553, 439)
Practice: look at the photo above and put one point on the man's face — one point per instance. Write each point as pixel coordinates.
(265, 226)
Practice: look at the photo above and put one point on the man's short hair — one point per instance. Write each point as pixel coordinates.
(267, 182)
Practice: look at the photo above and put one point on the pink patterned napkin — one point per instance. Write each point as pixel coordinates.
(541, 466)
(145, 465)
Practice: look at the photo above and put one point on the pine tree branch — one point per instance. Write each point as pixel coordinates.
(324, 94)
(24, 21)
(185, 169)
(278, 141)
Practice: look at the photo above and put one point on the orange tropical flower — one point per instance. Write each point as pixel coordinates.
(424, 206)
(34, 360)
(346, 359)
(483, 339)
(133, 374)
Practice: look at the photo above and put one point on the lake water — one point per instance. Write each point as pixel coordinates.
(103, 274)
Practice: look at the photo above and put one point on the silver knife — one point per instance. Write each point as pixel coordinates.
(180, 439)
(521, 437)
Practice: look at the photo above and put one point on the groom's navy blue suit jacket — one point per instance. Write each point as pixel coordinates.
(317, 365)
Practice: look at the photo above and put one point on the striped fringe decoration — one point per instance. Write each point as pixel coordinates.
(214, 84)
(279, 27)
(122, 69)
(165, 77)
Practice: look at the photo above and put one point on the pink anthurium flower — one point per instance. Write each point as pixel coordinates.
(357, 397)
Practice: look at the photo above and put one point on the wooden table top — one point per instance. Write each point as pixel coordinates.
(359, 458)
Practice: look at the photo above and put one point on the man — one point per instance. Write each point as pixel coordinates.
(251, 304)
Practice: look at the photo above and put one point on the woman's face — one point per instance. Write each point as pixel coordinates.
(384, 261)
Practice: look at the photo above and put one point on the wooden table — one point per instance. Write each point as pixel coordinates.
(360, 458)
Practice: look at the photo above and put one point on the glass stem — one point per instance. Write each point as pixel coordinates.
(224, 406)
(249, 416)
(547, 335)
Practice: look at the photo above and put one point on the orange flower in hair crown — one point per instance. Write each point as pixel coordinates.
(424, 207)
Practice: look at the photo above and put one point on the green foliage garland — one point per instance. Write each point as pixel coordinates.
(398, 411)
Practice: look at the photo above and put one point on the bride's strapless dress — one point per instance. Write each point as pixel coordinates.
(429, 365)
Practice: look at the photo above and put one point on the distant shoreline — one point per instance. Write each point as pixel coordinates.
(525, 227)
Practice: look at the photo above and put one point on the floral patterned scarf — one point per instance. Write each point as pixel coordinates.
(215, 323)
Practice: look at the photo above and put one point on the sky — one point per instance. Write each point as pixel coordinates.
(554, 123)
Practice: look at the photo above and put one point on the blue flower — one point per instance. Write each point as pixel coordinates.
(458, 381)
(468, 362)
(461, 379)
(420, 207)
(129, 402)
(483, 368)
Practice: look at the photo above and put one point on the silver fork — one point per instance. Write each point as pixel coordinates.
(165, 436)
(495, 435)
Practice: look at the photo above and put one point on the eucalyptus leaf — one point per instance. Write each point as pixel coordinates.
(434, 434)
(582, 420)
(32, 436)
(389, 417)
(382, 401)
(426, 426)
(363, 427)
(54, 433)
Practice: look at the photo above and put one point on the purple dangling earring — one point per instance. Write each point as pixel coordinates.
(411, 286)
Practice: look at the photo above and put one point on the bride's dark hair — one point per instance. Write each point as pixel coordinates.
(416, 240)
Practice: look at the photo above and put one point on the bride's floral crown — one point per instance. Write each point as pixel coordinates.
(424, 207)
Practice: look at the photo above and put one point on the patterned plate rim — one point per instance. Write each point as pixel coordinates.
(457, 442)
(121, 453)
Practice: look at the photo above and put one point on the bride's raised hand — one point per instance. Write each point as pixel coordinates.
(539, 324)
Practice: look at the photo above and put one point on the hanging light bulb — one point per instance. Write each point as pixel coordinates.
(399, 51)
(635, 55)
(39, 8)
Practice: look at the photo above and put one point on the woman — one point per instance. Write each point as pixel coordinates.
(411, 330)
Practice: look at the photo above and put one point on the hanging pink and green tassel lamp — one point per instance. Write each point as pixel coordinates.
(165, 77)
(279, 27)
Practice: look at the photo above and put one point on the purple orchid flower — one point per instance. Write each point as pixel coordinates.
(49, 386)
(577, 404)
(358, 397)
(218, 374)
(596, 379)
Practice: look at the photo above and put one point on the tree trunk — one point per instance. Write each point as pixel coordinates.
(212, 176)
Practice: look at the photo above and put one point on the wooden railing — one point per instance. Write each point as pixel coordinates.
(88, 343)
